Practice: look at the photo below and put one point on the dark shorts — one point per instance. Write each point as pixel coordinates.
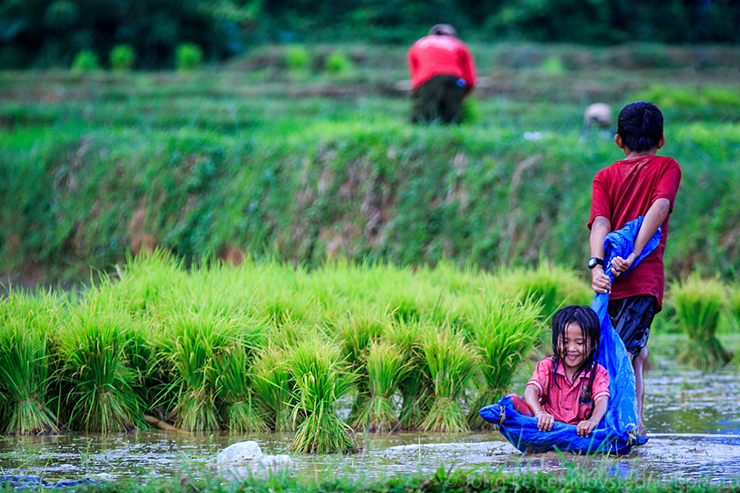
(631, 318)
(438, 100)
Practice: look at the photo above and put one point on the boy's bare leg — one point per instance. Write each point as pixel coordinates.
(639, 362)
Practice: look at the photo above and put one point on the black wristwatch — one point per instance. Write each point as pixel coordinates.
(594, 261)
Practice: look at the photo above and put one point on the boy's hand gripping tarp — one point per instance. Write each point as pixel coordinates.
(616, 434)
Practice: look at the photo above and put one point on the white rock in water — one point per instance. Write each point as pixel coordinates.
(275, 460)
(240, 452)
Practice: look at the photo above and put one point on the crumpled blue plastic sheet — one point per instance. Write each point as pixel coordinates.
(19, 483)
(616, 434)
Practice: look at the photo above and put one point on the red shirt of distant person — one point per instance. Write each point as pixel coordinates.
(440, 55)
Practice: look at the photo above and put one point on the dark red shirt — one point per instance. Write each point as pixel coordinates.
(440, 55)
(623, 192)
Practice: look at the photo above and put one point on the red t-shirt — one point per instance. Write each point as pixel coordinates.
(562, 401)
(440, 55)
(623, 192)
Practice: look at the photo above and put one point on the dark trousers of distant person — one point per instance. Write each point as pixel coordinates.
(438, 100)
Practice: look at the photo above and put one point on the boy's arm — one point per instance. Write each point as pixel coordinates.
(585, 427)
(601, 227)
(653, 219)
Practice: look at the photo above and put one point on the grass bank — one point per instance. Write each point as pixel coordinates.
(256, 159)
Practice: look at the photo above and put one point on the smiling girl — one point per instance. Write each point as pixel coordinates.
(569, 386)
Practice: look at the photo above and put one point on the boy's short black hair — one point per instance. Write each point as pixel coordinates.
(640, 125)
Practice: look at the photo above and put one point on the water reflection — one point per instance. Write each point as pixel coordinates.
(693, 419)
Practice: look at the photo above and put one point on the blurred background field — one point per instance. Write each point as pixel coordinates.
(303, 153)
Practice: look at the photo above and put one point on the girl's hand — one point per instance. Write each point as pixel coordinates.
(585, 428)
(544, 421)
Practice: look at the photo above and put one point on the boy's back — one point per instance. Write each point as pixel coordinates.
(626, 190)
(643, 184)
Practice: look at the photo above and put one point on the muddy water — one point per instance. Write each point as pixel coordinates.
(693, 421)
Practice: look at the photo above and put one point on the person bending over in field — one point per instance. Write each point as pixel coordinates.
(442, 74)
(642, 184)
(570, 386)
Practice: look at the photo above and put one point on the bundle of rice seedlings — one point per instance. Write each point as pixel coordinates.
(386, 366)
(549, 285)
(24, 375)
(698, 303)
(734, 306)
(191, 347)
(146, 283)
(233, 391)
(321, 378)
(354, 334)
(274, 387)
(416, 385)
(98, 383)
(452, 365)
(502, 334)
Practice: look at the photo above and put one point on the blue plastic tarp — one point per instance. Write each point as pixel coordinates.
(616, 434)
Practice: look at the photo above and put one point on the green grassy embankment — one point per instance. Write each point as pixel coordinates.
(257, 159)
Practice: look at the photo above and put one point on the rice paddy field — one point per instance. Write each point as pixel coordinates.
(336, 283)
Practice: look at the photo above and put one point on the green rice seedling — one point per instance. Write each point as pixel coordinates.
(297, 59)
(733, 300)
(274, 387)
(98, 383)
(416, 386)
(549, 285)
(452, 365)
(321, 378)
(122, 58)
(147, 284)
(191, 347)
(502, 334)
(188, 57)
(25, 323)
(354, 335)
(338, 63)
(232, 389)
(85, 61)
(387, 366)
(699, 304)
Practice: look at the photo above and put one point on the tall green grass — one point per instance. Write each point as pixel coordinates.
(243, 413)
(194, 342)
(387, 366)
(98, 384)
(502, 332)
(416, 386)
(452, 365)
(699, 304)
(274, 387)
(321, 379)
(25, 327)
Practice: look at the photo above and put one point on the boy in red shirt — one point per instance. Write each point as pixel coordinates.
(642, 184)
(442, 74)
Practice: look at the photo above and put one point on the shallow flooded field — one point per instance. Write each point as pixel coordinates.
(693, 420)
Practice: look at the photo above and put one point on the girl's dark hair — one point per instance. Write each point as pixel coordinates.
(590, 326)
(640, 125)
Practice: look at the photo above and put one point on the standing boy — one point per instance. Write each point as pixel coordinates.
(642, 184)
(442, 74)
